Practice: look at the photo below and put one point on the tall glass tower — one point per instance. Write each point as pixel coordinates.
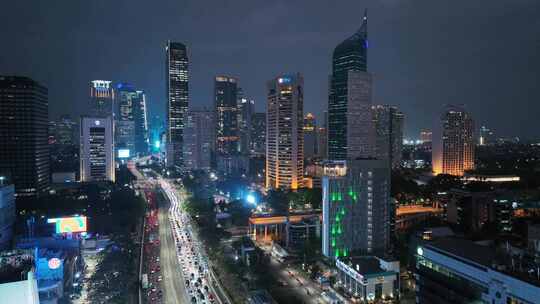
(177, 101)
(349, 55)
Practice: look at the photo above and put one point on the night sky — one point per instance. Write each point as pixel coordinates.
(423, 53)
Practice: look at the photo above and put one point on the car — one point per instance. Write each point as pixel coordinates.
(193, 300)
(159, 278)
(187, 282)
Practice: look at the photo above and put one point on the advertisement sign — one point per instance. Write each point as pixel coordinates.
(123, 153)
(69, 224)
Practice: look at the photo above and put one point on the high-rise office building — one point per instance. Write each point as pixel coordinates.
(425, 136)
(457, 141)
(389, 134)
(351, 132)
(258, 133)
(97, 155)
(177, 101)
(124, 135)
(310, 136)
(245, 112)
(486, 136)
(356, 207)
(140, 118)
(198, 139)
(285, 133)
(24, 154)
(101, 98)
(227, 134)
(226, 115)
(66, 131)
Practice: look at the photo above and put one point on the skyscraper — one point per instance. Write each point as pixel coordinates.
(310, 136)
(177, 101)
(258, 133)
(245, 111)
(140, 119)
(351, 132)
(356, 207)
(198, 139)
(101, 98)
(486, 136)
(124, 119)
(227, 134)
(24, 154)
(97, 155)
(457, 141)
(285, 134)
(389, 133)
(226, 114)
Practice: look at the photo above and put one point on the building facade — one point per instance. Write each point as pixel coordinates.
(97, 161)
(457, 141)
(285, 133)
(350, 129)
(24, 151)
(310, 136)
(258, 133)
(451, 270)
(177, 93)
(124, 135)
(356, 208)
(369, 278)
(7, 215)
(389, 134)
(246, 109)
(199, 139)
(101, 98)
(140, 118)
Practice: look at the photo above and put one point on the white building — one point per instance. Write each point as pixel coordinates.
(369, 278)
(97, 149)
(20, 292)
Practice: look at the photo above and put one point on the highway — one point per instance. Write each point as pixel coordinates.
(201, 285)
(174, 291)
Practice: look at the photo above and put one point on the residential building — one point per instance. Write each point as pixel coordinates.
(285, 133)
(457, 141)
(356, 208)
(177, 93)
(97, 162)
(24, 151)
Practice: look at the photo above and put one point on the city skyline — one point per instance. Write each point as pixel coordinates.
(399, 45)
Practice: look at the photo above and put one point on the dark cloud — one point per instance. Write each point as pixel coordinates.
(424, 54)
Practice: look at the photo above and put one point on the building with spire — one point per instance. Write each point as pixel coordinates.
(351, 131)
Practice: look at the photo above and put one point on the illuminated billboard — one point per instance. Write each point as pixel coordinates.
(69, 224)
(123, 153)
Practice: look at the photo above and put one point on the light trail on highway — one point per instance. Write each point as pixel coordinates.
(199, 281)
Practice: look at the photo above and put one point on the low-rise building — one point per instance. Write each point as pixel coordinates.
(369, 278)
(453, 270)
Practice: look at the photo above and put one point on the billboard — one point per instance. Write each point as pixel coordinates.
(69, 224)
(123, 153)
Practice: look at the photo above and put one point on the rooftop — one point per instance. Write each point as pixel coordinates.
(465, 249)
